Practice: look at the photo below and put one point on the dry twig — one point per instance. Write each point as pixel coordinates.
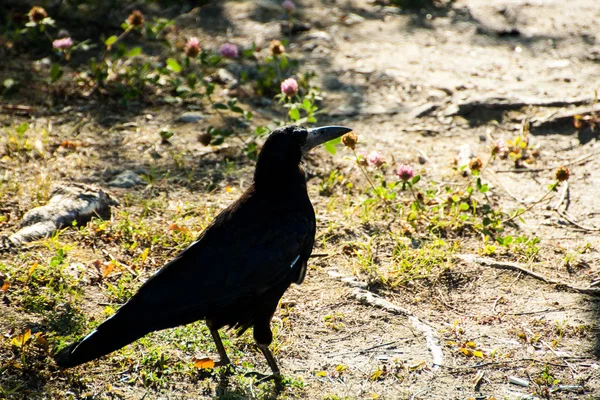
(364, 296)
(488, 262)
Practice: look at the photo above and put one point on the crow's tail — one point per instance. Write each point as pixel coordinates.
(114, 333)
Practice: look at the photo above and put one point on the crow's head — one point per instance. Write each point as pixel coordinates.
(287, 145)
(283, 150)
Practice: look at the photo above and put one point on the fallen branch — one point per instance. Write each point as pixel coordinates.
(569, 220)
(364, 351)
(361, 294)
(488, 262)
(503, 362)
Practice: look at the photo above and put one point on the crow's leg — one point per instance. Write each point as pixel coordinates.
(220, 348)
(270, 359)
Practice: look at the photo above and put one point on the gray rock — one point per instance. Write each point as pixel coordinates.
(189, 117)
(353, 19)
(75, 203)
(423, 110)
(319, 35)
(126, 179)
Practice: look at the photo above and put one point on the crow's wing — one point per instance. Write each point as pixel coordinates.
(239, 257)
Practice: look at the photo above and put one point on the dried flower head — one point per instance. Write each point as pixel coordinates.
(375, 159)
(562, 174)
(136, 18)
(229, 50)
(500, 149)
(192, 47)
(289, 87)
(420, 197)
(289, 6)
(276, 47)
(361, 159)
(350, 139)
(62, 44)
(37, 14)
(405, 172)
(205, 138)
(475, 164)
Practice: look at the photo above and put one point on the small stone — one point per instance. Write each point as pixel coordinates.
(126, 179)
(353, 19)
(227, 78)
(390, 10)
(77, 271)
(332, 82)
(423, 110)
(318, 35)
(189, 117)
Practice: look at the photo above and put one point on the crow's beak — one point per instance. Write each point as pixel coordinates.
(321, 135)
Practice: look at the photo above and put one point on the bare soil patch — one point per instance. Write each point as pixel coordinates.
(399, 79)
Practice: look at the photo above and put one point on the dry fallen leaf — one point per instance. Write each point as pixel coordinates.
(22, 339)
(68, 144)
(31, 271)
(144, 254)
(203, 363)
(5, 287)
(107, 269)
(42, 342)
(466, 352)
(177, 228)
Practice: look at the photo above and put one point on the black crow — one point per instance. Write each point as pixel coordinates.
(240, 266)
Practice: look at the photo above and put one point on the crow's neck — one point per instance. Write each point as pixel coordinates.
(281, 182)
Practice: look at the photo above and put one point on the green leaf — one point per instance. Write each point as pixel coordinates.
(165, 134)
(248, 115)
(55, 72)
(110, 41)
(220, 106)
(21, 129)
(173, 65)
(210, 88)
(330, 146)
(261, 130)
(463, 206)
(283, 62)
(48, 21)
(236, 109)
(416, 179)
(134, 52)
(294, 114)
(8, 83)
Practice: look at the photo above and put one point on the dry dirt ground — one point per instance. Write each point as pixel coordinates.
(411, 85)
